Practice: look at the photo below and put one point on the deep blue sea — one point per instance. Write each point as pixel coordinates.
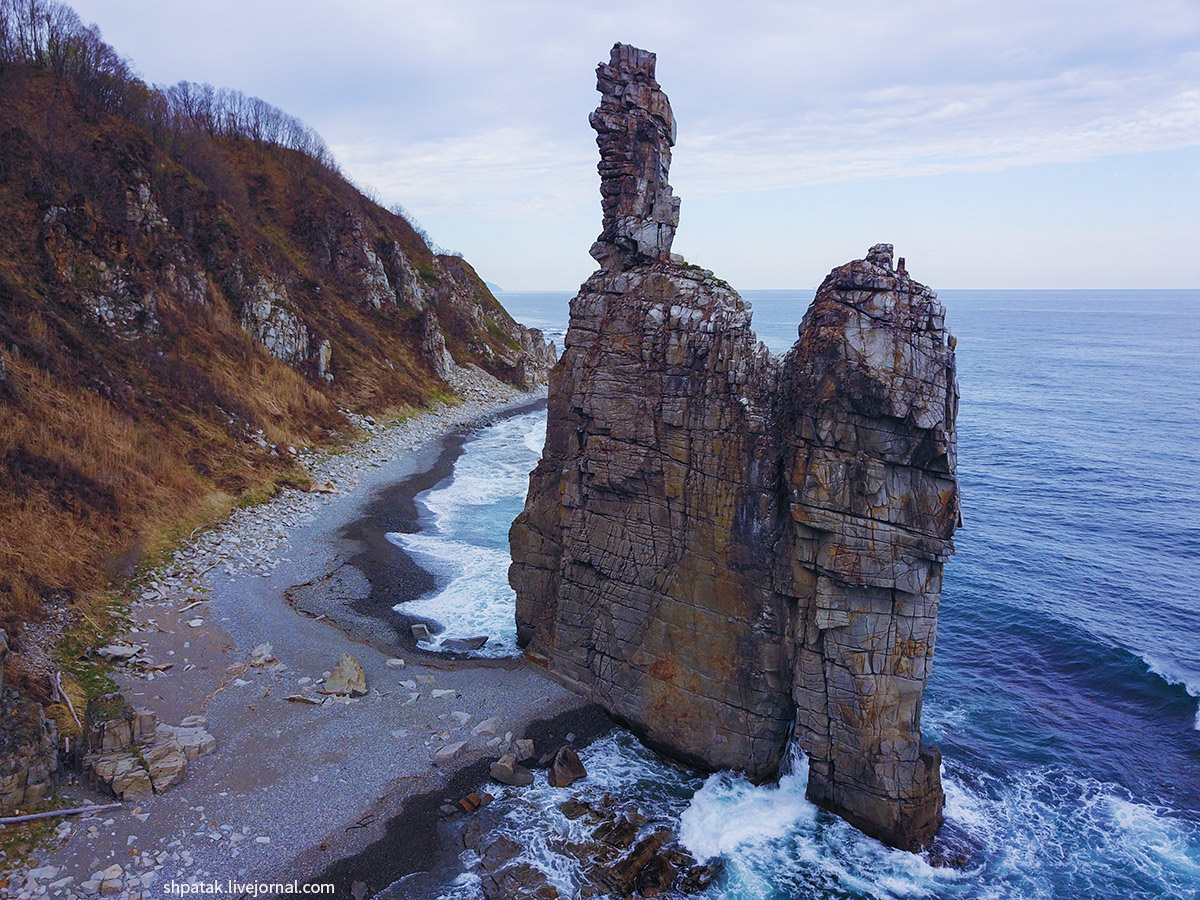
(1065, 689)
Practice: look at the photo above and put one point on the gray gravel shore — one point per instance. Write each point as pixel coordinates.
(292, 787)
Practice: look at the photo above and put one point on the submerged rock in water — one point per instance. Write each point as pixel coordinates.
(464, 645)
(726, 548)
(566, 768)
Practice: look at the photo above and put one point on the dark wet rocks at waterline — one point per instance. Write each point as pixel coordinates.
(622, 851)
(614, 861)
(729, 550)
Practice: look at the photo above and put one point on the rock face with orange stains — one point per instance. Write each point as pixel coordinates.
(734, 551)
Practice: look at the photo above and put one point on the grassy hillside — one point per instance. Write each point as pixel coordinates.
(186, 292)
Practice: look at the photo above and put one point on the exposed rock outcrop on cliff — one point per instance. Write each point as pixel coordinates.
(180, 303)
(732, 550)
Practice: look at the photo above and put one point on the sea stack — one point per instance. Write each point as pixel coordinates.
(735, 552)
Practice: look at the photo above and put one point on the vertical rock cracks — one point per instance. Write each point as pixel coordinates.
(732, 550)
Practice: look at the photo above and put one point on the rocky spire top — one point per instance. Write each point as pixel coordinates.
(881, 255)
(635, 130)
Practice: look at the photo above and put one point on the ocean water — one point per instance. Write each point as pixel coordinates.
(463, 536)
(1065, 689)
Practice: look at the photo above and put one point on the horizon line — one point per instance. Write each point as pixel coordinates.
(936, 290)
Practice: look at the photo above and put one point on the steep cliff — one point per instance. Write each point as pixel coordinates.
(189, 288)
(730, 550)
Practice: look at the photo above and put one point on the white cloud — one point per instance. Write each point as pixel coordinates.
(786, 95)
(471, 111)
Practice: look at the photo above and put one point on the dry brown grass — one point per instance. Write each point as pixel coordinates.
(91, 491)
(115, 446)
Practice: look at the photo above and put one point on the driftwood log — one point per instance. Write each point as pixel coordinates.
(16, 820)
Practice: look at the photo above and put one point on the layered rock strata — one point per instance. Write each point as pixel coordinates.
(736, 552)
(28, 753)
(129, 752)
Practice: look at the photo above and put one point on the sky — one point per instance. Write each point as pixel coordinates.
(1030, 144)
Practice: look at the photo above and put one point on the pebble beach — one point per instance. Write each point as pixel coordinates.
(239, 634)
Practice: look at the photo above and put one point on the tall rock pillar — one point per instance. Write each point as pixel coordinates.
(635, 130)
(731, 550)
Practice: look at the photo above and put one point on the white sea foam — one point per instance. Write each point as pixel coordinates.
(1045, 834)
(1041, 833)
(729, 812)
(463, 535)
(619, 770)
(774, 842)
(493, 468)
(476, 601)
(1171, 675)
(535, 437)
(964, 808)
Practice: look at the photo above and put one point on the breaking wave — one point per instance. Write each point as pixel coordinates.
(1171, 675)
(464, 535)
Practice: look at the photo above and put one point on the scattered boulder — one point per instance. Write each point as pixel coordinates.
(519, 881)
(620, 832)
(621, 877)
(566, 769)
(622, 867)
(395, 663)
(262, 657)
(420, 633)
(487, 727)
(167, 765)
(523, 749)
(302, 698)
(133, 755)
(123, 772)
(119, 652)
(447, 752)
(953, 848)
(110, 880)
(473, 802)
(144, 727)
(699, 878)
(193, 740)
(347, 678)
(506, 771)
(108, 723)
(574, 808)
(502, 873)
(498, 852)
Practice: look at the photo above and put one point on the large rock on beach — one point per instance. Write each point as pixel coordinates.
(347, 678)
(132, 754)
(732, 551)
(506, 771)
